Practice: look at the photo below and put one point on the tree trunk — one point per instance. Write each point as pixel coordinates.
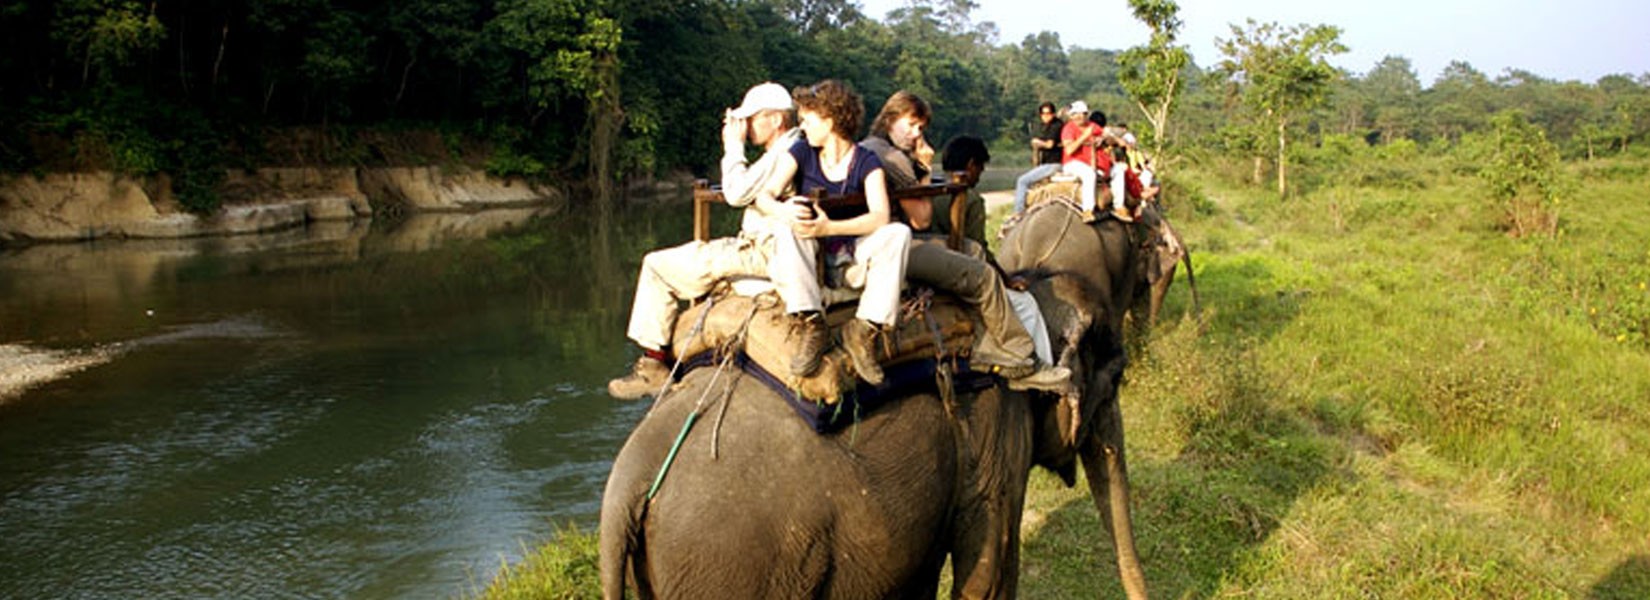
(1282, 157)
(1254, 178)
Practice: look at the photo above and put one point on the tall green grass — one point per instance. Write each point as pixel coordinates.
(1385, 396)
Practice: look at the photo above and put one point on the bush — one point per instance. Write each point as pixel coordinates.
(1523, 173)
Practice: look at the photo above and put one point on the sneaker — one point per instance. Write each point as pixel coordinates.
(1122, 214)
(859, 338)
(1047, 379)
(815, 339)
(645, 379)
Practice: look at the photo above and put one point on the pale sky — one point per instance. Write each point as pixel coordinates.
(1564, 40)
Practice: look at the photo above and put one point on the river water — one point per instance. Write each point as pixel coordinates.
(349, 410)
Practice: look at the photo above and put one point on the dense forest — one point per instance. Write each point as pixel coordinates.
(616, 89)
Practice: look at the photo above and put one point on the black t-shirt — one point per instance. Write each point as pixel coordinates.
(1050, 132)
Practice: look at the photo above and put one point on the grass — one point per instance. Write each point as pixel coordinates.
(1385, 396)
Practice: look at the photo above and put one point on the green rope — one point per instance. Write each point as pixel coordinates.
(670, 458)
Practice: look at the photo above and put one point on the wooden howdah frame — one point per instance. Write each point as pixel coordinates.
(705, 195)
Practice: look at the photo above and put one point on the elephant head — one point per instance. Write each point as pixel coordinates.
(1094, 268)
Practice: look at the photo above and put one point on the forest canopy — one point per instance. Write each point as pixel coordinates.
(624, 88)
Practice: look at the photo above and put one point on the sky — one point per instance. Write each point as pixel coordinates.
(1579, 40)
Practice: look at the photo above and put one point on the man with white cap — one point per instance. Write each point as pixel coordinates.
(1077, 143)
(668, 276)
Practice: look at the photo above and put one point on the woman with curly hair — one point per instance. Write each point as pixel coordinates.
(860, 237)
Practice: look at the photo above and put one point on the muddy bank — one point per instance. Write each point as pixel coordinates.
(63, 207)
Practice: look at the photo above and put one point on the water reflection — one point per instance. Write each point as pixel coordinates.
(381, 411)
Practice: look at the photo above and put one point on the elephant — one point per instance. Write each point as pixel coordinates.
(756, 504)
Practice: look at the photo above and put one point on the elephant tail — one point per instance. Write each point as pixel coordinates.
(1191, 280)
(621, 548)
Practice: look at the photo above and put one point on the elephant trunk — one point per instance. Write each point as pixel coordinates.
(1108, 475)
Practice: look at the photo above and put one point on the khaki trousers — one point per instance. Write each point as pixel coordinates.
(686, 272)
(1006, 340)
(878, 269)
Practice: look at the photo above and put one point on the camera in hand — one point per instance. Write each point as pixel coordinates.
(805, 203)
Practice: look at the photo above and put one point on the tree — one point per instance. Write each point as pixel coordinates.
(107, 33)
(1393, 91)
(1523, 174)
(1280, 73)
(1458, 101)
(1151, 72)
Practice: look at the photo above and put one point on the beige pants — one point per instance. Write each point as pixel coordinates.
(1085, 181)
(878, 269)
(1006, 340)
(686, 272)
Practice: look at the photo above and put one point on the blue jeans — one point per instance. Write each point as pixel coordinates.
(1023, 184)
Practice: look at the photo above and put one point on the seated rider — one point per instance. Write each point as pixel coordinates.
(968, 155)
(690, 270)
(1078, 142)
(830, 113)
(1045, 148)
(1004, 346)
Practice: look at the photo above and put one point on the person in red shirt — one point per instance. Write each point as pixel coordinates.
(1078, 142)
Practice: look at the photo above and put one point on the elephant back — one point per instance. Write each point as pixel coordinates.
(1091, 265)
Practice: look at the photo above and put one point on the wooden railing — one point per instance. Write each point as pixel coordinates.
(705, 195)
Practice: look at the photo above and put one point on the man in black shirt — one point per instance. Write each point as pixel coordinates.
(1045, 145)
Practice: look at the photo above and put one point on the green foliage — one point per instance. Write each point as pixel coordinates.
(559, 41)
(565, 569)
(1523, 174)
(1152, 72)
(108, 34)
(1279, 73)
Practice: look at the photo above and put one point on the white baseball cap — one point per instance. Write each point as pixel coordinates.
(1078, 107)
(765, 96)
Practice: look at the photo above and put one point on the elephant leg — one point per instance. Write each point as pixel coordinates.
(985, 558)
(1107, 469)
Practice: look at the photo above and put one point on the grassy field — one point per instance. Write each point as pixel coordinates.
(1384, 396)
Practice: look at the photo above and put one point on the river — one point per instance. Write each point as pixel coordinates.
(366, 411)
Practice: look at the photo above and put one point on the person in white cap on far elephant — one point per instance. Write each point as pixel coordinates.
(1078, 142)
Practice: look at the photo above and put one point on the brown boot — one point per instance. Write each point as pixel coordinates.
(646, 378)
(859, 338)
(816, 337)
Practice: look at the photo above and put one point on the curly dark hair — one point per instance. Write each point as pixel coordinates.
(835, 100)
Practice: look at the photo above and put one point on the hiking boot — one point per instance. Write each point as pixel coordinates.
(646, 378)
(815, 339)
(859, 338)
(1046, 378)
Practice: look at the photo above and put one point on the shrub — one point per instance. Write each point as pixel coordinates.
(1523, 174)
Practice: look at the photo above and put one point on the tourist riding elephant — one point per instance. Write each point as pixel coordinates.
(756, 504)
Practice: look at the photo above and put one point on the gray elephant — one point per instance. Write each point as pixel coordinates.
(756, 504)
